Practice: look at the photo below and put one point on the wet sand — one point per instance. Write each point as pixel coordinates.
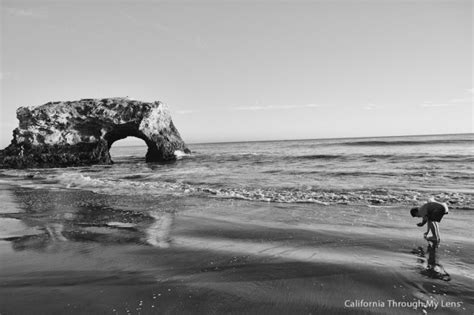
(82, 253)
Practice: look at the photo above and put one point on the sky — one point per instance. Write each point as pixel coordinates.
(249, 70)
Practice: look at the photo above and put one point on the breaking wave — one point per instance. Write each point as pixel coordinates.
(130, 185)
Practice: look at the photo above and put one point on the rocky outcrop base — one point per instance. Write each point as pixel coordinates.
(56, 155)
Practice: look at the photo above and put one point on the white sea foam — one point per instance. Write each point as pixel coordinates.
(180, 154)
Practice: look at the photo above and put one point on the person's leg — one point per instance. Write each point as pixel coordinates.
(434, 229)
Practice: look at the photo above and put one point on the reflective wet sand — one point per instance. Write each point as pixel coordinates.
(79, 252)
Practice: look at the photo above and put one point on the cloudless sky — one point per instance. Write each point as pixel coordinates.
(249, 70)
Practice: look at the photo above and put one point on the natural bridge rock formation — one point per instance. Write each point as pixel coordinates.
(59, 134)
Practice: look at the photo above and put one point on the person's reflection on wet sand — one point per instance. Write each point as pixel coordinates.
(56, 220)
(48, 240)
(433, 268)
(432, 258)
(55, 231)
(157, 234)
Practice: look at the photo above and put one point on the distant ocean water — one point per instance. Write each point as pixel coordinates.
(367, 171)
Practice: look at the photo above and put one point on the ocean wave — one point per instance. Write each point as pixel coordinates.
(449, 159)
(136, 176)
(344, 157)
(18, 175)
(387, 158)
(319, 157)
(353, 157)
(404, 142)
(460, 177)
(359, 197)
(349, 173)
(370, 174)
(132, 187)
(125, 186)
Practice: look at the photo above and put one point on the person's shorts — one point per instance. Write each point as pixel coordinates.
(436, 214)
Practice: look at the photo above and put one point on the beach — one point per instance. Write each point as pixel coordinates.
(236, 157)
(226, 256)
(100, 240)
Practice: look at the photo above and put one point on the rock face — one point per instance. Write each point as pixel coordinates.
(60, 134)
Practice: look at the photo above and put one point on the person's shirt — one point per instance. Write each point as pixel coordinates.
(431, 206)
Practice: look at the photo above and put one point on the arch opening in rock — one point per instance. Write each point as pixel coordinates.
(59, 134)
(120, 132)
(130, 147)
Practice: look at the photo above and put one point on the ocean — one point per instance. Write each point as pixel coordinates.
(295, 226)
(370, 171)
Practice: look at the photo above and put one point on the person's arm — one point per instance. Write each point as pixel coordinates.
(425, 219)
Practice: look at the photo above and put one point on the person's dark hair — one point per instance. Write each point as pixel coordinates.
(414, 212)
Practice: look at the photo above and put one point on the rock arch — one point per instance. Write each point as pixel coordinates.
(59, 134)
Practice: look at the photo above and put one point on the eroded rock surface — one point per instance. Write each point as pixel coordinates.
(60, 134)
